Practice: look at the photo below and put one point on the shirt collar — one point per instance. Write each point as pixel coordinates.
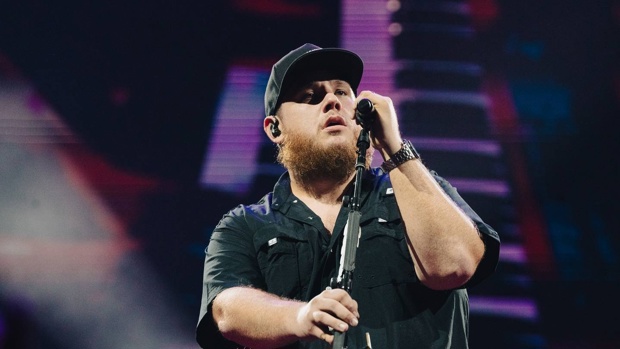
(283, 196)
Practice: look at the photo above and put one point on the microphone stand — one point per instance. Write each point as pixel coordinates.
(352, 232)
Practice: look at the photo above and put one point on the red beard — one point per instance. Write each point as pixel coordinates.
(309, 161)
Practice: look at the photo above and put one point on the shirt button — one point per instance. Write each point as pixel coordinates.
(310, 218)
(294, 201)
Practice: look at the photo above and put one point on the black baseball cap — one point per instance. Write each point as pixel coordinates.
(345, 65)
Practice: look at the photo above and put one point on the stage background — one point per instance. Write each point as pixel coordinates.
(128, 128)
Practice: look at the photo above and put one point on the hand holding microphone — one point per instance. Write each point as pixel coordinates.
(377, 115)
(365, 113)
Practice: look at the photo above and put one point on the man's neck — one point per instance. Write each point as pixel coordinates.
(326, 191)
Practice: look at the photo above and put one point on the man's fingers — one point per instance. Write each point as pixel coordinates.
(342, 297)
(330, 321)
(339, 303)
(332, 309)
(327, 337)
(332, 313)
(322, 334)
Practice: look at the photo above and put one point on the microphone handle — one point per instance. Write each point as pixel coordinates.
(338, 342)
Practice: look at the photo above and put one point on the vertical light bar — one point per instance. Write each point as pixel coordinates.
(365, 26)
(231, 158)
(364, 30)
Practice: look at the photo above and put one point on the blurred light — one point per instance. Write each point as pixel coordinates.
(393, 5)
(231, 158)
(62, 249)
(395, 29)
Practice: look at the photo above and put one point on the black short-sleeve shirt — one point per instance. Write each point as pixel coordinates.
(279, 245)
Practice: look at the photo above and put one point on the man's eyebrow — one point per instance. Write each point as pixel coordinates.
(299, 87)
(304, 86)
(340, 83)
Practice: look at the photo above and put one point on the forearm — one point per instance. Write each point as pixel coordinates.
(443, 241)
(254, 318)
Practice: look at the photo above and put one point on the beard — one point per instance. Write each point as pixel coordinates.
(309, 162)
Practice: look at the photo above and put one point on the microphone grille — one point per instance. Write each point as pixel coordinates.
(365, 106)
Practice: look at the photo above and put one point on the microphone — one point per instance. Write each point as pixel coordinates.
(365, 113)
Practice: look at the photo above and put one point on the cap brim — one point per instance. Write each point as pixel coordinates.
(338, 63)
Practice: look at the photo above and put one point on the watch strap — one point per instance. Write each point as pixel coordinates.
(407, 152)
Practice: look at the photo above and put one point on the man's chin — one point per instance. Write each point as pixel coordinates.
(319, 157)
(337, 137)
(338, 143)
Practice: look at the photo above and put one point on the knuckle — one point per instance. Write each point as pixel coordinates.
(317, 316)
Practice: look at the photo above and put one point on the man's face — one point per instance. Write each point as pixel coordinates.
(321, 109)
(319, 130)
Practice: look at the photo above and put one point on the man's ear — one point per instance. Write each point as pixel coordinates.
(271, 125)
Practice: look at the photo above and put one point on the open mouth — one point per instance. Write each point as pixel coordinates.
(334, 121)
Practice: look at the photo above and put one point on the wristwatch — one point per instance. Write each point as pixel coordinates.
(407, 152)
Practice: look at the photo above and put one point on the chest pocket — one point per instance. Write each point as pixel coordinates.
(284, 259)
(383, 256)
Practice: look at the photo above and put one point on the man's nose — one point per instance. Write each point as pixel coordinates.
(331, 101)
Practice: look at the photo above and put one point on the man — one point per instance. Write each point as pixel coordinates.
(268, 265)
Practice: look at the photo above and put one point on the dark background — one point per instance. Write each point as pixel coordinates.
(138, 84)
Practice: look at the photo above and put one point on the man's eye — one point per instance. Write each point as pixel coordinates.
(341, 92)
(307, 97)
